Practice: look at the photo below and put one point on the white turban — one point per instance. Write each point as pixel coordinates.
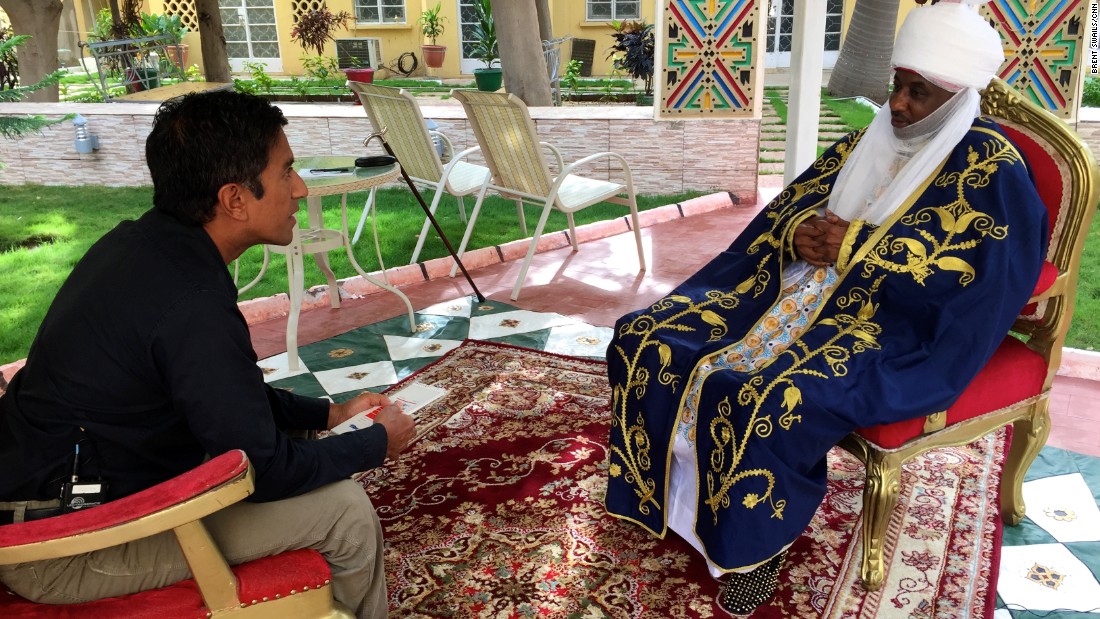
(949, 44)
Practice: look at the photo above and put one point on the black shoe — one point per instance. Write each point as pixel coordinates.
(742, 592)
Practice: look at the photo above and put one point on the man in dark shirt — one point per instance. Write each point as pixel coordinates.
(143, 367)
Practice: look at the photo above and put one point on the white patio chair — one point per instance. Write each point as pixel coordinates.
(511, 147)
(408, 135)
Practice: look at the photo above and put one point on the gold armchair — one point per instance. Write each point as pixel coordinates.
(1014, 386)
(292, 584)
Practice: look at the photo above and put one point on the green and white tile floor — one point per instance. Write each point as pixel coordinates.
(1050, 563)
(378, 355)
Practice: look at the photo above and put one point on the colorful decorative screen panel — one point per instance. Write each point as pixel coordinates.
(1044, 43)
(709, 63)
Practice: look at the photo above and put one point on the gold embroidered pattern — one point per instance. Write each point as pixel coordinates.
(635, 452)
(920, 256)
(729, 448)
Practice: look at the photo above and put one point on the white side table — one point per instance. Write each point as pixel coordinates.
(316, 240)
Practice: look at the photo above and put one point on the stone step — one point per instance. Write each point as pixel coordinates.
(771, 168)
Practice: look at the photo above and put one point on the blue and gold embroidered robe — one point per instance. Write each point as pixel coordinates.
(921, 303)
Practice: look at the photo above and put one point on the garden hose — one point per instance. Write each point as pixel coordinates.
(402, 61)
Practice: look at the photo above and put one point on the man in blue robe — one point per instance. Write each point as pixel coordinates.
(871, 290)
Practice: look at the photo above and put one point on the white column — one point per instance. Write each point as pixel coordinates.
(803, 107)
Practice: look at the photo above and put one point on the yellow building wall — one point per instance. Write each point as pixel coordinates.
(567, 18)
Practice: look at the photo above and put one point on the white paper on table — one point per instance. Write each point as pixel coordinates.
(410, 398)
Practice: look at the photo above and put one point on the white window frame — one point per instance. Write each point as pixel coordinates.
(615, 10)
(378, 4)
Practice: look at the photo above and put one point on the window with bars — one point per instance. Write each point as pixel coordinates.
(607, 10)
(380, 11)
(781, 25)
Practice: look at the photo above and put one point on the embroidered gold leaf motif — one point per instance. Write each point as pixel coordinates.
(863, 335)
(746, 285)
(950, 263)
(750, 500)
(866, 312)
(664, 353)
(680, 298)
(966, 220)
(714, 320)
(792, 397)
(947, 220)
(915, 247)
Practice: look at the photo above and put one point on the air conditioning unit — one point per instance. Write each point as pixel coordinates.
(359, 53)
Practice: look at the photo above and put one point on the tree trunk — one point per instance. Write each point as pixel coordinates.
(546, 28)
(521, 56)
(38, 56)
(863, 67)
(215, 58)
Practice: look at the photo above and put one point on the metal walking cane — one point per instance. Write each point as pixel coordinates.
(416, 192)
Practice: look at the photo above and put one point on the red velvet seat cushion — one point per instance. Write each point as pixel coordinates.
(267, 577)
(1014, 373)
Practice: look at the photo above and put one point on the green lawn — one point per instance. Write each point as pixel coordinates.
(45, 230)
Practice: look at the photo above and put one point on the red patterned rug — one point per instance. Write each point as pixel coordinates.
(497, 511)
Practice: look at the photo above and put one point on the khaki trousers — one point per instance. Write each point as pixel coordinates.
(337, 520)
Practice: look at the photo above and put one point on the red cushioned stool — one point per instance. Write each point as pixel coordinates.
(1014, 386)
(292, 584)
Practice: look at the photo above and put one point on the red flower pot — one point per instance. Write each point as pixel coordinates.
(365, 76)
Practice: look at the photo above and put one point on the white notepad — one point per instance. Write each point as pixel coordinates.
(410, 398)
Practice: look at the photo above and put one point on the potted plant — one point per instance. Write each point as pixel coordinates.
(317, 27)
(484, 47)
(431, 26)
(633, 53)
(172, 27)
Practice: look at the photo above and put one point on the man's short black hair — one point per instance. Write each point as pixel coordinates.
(203, 141)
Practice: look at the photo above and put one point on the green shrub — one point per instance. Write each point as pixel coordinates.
(1091, 96)
(260, 79)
